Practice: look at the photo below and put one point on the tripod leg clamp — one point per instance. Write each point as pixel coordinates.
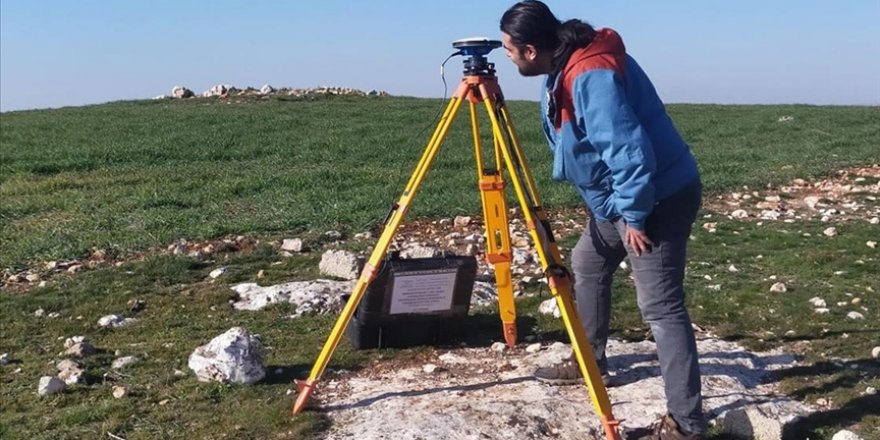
(558, 281)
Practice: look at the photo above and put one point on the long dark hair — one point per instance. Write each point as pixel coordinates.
(532, 22)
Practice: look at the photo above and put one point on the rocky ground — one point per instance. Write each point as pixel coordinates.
(479, 393)
(850, 195)
(488, 392)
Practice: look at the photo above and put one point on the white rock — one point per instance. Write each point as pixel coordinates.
(79, 346)
(533, 348)
(292, 245)
(50, 385)
(114, 321)
(778, 288)
(266, 89)
(811, 201)
(821, 310)
(522, 257)
(519, 241)
(217, 272)
(71, 341)
(119, 392)
(340, 264)
(4, 358)
(874, 220)
(217, 90)
(452, 358)
(871, 244)
(484, 294)
(474, 238)
(461, 221)
(70, 372)
(753, 423)
(739, 213)
(769, 214)
(830, 232)
(181, 92)
(875, 352)
(855, 315)
(499, 347)
(123, 362)
(429, 368)
(419, 251)
(870, 391)
(845, 435)
(550, 307)
(471, 249)
(732, 268)
(39, 312)
(308, 297)
(231, 357)
(817, 302)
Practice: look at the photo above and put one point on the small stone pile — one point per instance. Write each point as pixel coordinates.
(225, 90)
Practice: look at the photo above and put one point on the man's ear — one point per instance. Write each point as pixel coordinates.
(530, 52)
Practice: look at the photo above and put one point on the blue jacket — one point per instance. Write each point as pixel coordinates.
(610, 134)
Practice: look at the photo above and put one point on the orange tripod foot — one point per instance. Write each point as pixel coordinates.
(610, 425)
(510, 334)
(304, 391)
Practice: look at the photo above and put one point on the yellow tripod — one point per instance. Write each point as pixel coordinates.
(480, 85)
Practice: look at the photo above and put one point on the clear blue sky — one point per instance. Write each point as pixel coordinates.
(58, 53)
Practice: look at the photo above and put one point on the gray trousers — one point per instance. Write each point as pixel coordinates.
(659, 277)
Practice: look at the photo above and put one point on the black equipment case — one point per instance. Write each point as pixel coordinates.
(418, 301)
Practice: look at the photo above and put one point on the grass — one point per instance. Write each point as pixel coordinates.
(132, 176)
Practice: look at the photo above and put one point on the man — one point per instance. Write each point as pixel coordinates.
(612, 139)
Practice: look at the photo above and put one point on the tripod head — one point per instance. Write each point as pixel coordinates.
(475, 50)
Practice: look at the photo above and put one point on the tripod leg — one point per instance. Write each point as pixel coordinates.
(392, 223)
(498, 251)
(548, 252)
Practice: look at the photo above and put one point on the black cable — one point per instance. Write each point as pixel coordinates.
(443, 101)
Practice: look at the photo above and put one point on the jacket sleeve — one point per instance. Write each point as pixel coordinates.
(614, 131)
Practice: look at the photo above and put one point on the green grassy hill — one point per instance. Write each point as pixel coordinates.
(133, 175)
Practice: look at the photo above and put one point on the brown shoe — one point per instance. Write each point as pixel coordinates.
(567, 372)
(667, 429)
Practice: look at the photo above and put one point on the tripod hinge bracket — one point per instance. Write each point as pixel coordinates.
(500, 257)
(491, 185)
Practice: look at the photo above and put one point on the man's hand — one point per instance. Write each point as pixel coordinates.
(637, 240)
